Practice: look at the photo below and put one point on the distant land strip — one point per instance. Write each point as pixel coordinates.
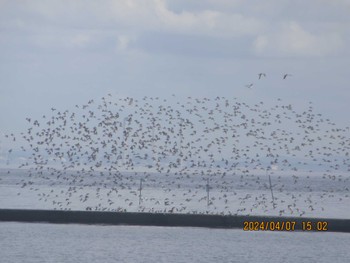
(247, 223)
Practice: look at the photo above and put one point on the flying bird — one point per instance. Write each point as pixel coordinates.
(286, 75)
(249, 85)
(261, 75)
(159, 137)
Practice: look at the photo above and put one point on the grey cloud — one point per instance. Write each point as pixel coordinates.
(192, 45)
(65, 52)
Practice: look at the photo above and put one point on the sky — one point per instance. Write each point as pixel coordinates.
(59, 53)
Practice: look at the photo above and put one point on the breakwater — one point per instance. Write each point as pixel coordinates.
(248, 223)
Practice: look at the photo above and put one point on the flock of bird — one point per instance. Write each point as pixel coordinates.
(193, 147)
(260, 75)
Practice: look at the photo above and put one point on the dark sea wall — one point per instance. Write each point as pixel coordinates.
(248, 223)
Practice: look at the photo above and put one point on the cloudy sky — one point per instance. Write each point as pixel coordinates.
(59, 53)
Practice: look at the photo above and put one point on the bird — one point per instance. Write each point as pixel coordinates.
(249, 85)
(286, 75)
(96, 154)
(261, 75)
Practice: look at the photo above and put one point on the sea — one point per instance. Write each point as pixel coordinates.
(308, 196)
(33, 243)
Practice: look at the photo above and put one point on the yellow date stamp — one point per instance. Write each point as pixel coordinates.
(314, 226)
(285, 225)
(269, 225)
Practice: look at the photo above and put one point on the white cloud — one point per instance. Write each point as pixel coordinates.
(59, 24)
(261, 43)
(80, 40)
(123, 42)
(154, 15)
(184, 20)
(293, 40)
(207, 22)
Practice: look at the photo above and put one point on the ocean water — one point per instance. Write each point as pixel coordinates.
(221, 126)
(312, 195)
(34, 242)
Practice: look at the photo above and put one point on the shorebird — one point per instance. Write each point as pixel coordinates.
(286, 75)
(261, 75)
(99, 146)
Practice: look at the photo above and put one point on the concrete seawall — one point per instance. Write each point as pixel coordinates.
(250, 223)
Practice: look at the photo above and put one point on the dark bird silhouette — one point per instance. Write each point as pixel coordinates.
(261, 75)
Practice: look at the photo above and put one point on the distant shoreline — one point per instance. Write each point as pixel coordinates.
(249, 223)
